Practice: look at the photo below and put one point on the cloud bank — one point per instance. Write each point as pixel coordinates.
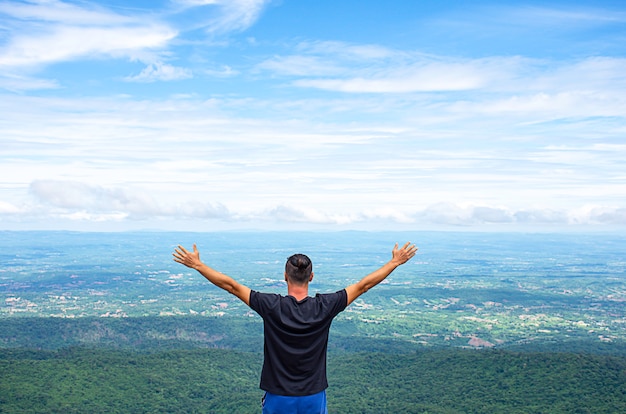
(235, 114)
(81, 202)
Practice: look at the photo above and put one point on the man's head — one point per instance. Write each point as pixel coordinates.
(299, 269)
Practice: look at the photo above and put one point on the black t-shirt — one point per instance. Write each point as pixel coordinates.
(295, 340)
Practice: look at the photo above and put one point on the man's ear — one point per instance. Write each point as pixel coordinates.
(311, 277)
(286, 280)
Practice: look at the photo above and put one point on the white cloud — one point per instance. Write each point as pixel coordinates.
(222, 72)
(8, 208)
(467, 215)
(349, 52)
(540, 216)
(567, 17)
(92, 203)
(61, 12)
(19, 83)
(571, 24)
(236, 15)
(45, 32)
(77, 199)
(300, 65)
(223, 16)
(80, 196)
(160, 72)
(196, 3)
(424, 79)
(57, 44)
(290, 214)
(595, 214)
(575, 85)
(352, 68)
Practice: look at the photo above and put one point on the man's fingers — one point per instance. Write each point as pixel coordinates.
(409, 249)
(179, 253)
(184, 256)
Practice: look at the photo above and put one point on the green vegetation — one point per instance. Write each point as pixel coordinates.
(212, 365)
(469, 381)
(79, 380)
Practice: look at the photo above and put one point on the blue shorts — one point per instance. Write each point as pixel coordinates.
(307, 404)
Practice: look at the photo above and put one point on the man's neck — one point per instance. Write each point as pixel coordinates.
(298, 291)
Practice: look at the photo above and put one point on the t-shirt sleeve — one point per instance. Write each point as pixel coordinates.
(254, 301)
(262, 303)
(341, 302)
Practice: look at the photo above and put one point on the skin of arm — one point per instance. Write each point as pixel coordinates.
(399, 257)
(192, 260)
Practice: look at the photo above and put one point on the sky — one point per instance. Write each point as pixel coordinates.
(213, 115)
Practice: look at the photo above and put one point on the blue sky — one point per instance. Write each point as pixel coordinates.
(324, 115)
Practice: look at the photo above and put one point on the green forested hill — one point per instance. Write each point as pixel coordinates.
(81, 380)
(466, 381)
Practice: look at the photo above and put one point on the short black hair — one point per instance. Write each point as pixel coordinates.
(299, 268)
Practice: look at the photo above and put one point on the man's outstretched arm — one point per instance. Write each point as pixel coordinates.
(192, 260)
(399, 257)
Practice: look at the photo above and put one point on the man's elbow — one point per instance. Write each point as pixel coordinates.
(232, 289)
(364, 289)
(367, 286)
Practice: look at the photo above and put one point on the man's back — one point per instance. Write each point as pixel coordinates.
(296, 340)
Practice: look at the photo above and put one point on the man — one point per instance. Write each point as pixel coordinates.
(296, 327)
